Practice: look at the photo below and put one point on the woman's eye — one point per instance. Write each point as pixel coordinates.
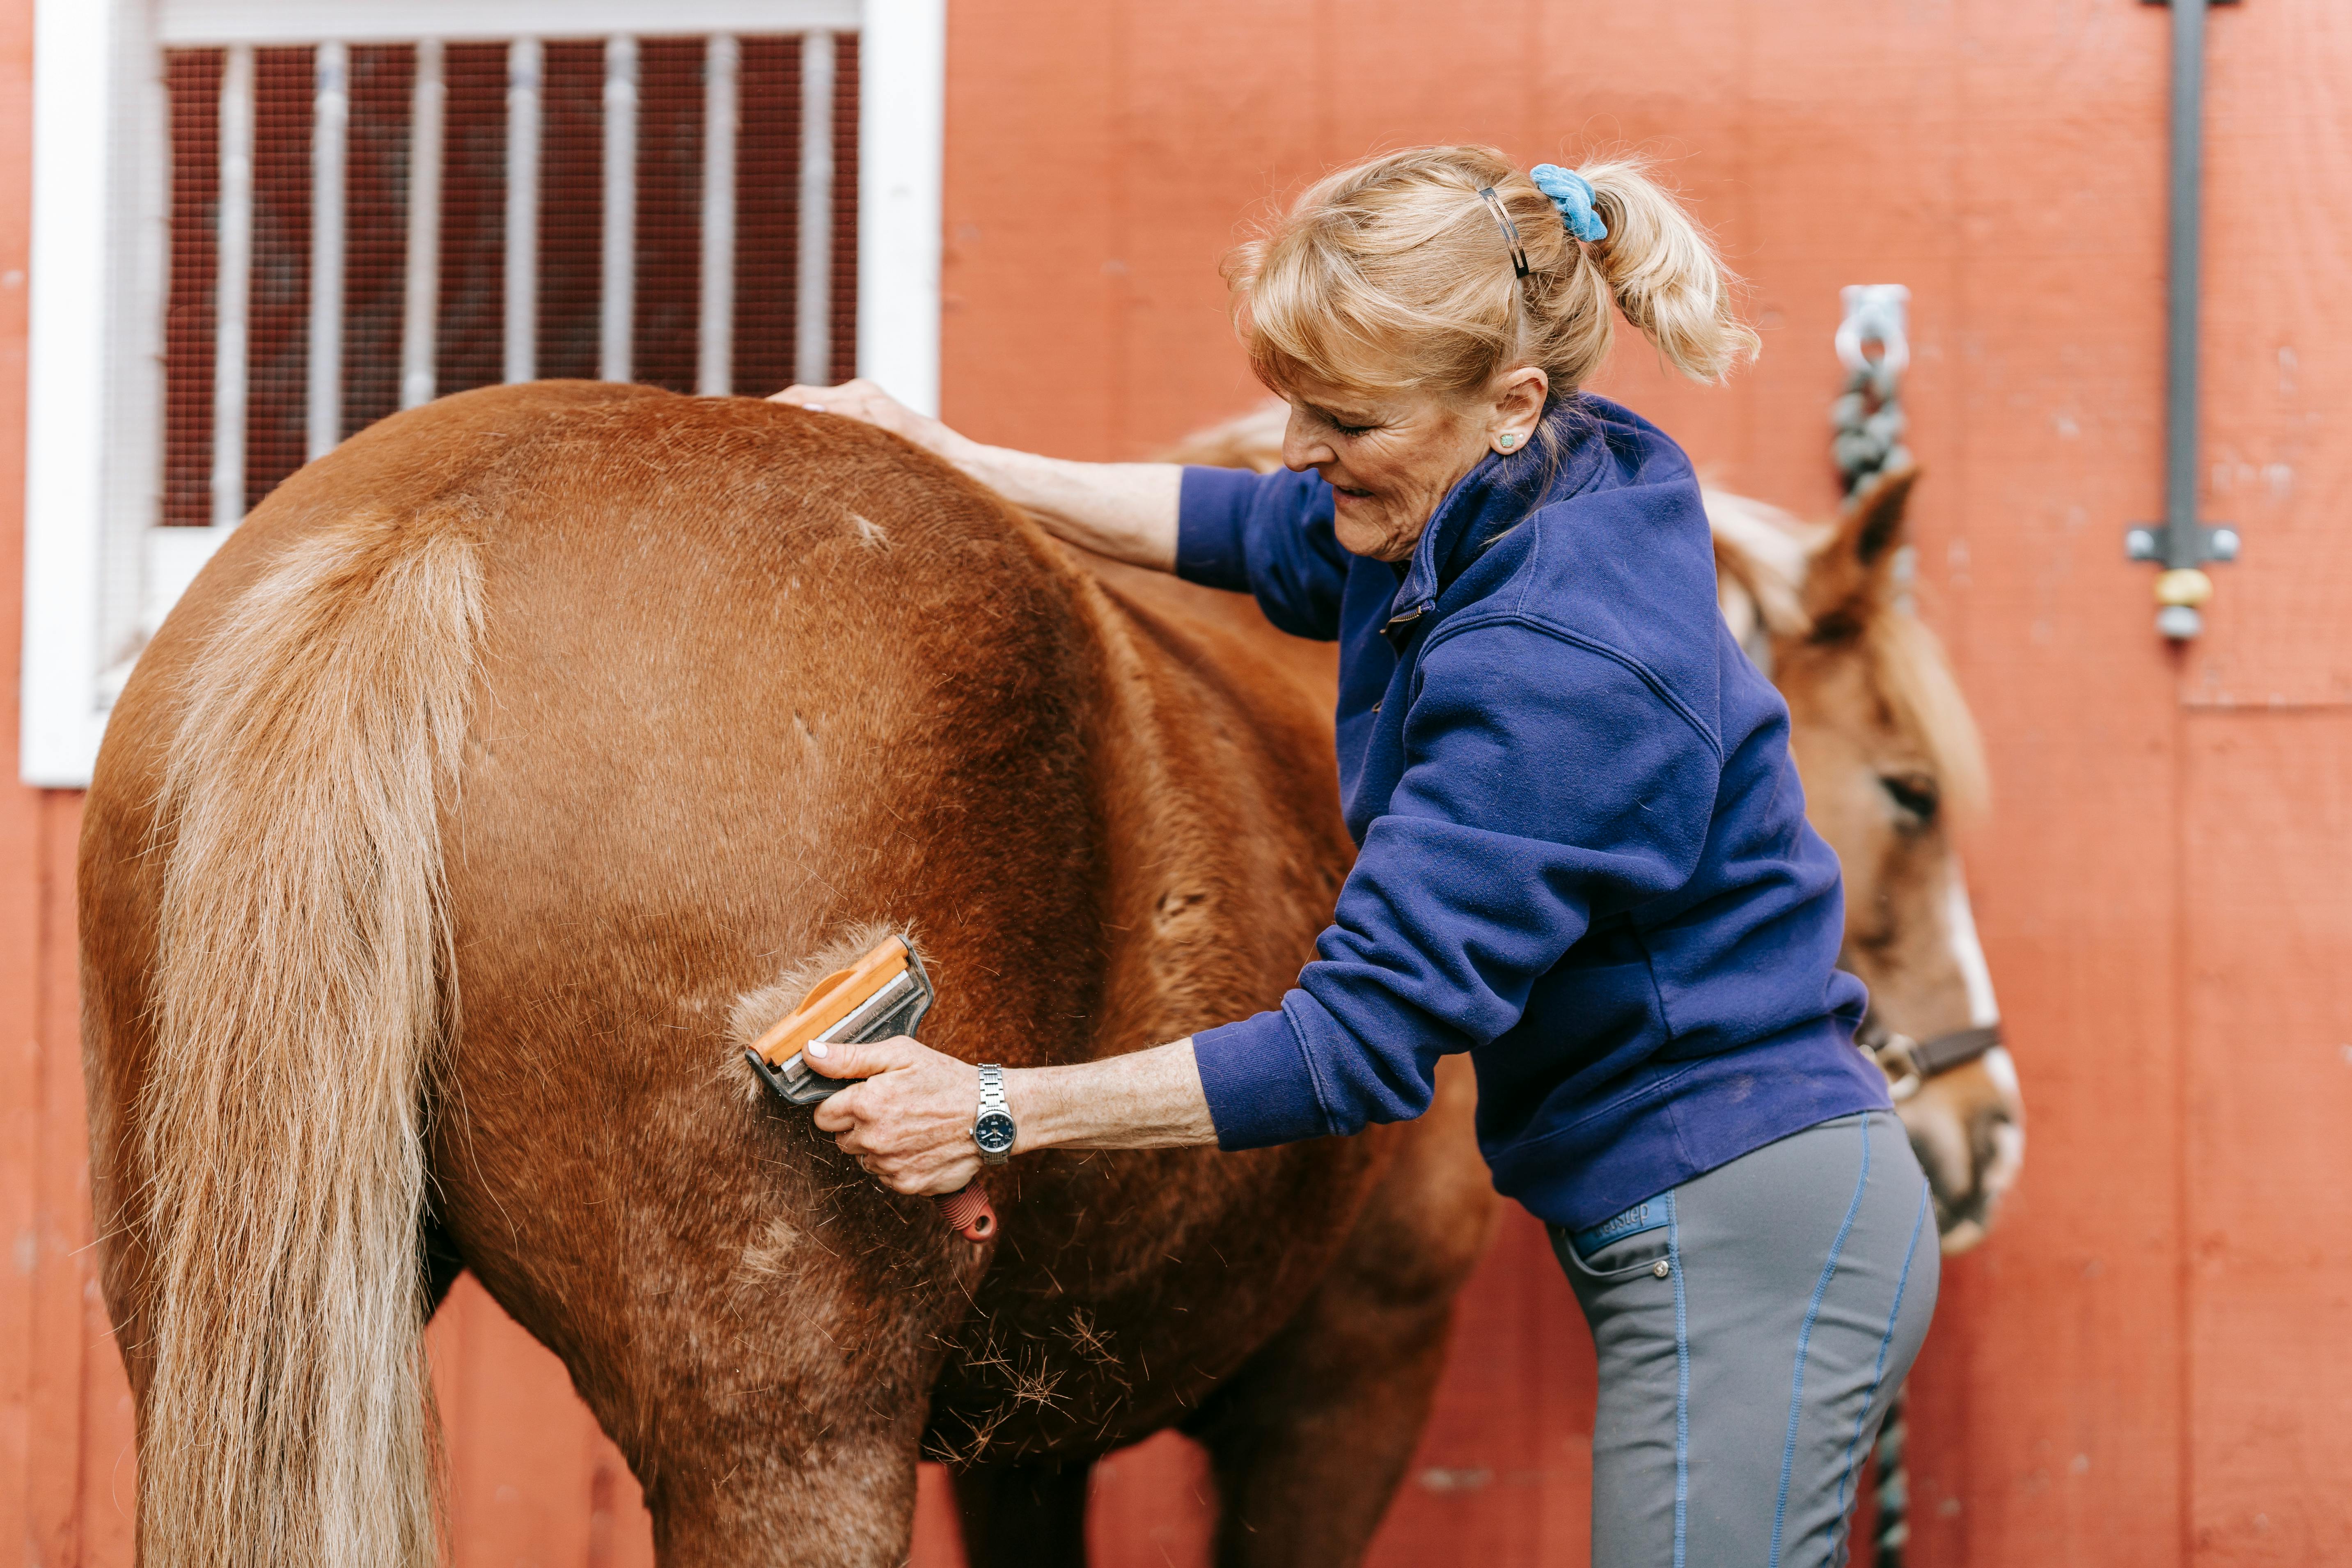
(1350, 431)
(1915, 794)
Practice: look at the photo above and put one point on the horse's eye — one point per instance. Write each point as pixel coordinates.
(1915, 794)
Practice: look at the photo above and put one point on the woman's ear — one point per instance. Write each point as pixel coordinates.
(1520, 396)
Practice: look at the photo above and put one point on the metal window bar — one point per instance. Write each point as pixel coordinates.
(233, 299)
(420, 315)
(324, 393)
(615, 314)
(812, 290)
(330, 136)
(525, 63)
(714, 323)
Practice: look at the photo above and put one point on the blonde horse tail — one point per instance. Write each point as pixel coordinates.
(302, 995)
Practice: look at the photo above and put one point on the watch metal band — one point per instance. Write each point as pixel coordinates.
(991, 1090)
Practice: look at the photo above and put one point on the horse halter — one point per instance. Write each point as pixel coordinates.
(1910, 1063)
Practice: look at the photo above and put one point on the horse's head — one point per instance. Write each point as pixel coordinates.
(1891, 764)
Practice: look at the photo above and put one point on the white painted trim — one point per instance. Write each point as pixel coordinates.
(232, 287)
(526, 66)
(96, 571)
(902, 154)
(73, 42)
(182, 22)
(330, 121)
(813, 275)
(420, 316)
(714, 326)
(616, 310)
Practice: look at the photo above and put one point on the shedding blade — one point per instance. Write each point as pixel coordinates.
(832, 999)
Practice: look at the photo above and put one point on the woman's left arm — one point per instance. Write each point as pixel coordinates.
(910, 1121)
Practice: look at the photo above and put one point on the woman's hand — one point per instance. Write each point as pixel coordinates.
(909, 1121)
(863, 400)
(1125, 511)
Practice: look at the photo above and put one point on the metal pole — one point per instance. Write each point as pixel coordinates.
(524, 63)
(2184, 254)
(722, 62)
(330, 135)
(2181, 543)
(615, 313)
(813, 292)
(421, 307)
(232, 298)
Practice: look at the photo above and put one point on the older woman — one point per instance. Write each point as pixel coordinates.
(1584, 856)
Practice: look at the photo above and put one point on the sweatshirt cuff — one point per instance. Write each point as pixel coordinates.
(1261, 1090)
(1209, 506)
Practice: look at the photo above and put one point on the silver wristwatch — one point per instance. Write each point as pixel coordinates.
(993, 1129)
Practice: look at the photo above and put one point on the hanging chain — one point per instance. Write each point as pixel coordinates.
(1868, 415)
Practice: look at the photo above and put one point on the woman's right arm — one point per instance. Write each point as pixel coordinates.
(1125, 511)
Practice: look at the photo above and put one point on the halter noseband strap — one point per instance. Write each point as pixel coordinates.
(1911, 1063)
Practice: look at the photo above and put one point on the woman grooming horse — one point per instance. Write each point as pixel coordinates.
(1584, 856)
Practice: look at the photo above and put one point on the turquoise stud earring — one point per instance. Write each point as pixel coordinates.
(1509, 441)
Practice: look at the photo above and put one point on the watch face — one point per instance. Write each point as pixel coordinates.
(993, 1132)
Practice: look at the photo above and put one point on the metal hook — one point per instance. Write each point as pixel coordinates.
(1877, 312)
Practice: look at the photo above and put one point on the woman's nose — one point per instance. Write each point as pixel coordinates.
(1302, 448)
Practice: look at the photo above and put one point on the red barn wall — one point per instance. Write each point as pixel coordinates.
(2143, 1366)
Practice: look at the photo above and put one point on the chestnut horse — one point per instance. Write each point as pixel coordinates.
(1889, 758)
(488, 791)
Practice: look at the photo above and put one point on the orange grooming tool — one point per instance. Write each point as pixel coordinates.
(884, 993)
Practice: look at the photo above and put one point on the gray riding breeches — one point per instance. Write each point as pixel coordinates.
(1751, 1326)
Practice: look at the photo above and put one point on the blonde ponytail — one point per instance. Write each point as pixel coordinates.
(1395, 273)
(1665, 275)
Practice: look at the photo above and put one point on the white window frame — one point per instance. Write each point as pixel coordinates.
(97, 566)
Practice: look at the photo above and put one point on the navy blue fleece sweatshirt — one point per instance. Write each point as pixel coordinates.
(1585, 859)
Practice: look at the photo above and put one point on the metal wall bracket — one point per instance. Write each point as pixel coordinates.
(2154, 541)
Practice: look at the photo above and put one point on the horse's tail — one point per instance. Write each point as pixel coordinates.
(301, 992)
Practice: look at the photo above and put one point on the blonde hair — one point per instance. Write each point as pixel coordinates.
(1394, 273)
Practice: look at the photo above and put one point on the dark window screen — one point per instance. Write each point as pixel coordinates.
(193, 79)
(845, 208)
(278, 353)
(767, 215)
(571, 211)
(376, 242)
(669, 210)
(470, 344)
(468, 329)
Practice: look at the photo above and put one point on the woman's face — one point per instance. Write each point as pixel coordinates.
(1391, 458)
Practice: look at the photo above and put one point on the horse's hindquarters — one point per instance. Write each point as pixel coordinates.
(731, 716)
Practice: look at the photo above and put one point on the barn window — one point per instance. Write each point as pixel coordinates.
(260, 225)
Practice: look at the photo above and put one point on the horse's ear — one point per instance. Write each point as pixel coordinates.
(1849, 576)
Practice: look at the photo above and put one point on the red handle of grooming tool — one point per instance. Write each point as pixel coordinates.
(969, 1212)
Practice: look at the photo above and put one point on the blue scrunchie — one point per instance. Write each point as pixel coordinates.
(1571, 192)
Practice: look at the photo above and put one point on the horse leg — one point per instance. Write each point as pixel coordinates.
(1309, 1441)
(1028, 1515)
(761, 1356)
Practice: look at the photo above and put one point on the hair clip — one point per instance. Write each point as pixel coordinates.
(1510, 230)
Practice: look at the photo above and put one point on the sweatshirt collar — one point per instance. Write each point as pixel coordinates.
(1487, 502)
